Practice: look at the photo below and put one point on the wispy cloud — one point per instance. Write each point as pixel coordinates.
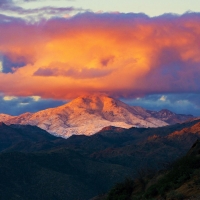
(5, 2)
(187, 103)
(12, 8)
(15, 105)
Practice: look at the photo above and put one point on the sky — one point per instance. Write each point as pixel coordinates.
(146, 53)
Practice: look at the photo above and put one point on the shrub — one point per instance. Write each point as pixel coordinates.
(174, 195)
(122, 191)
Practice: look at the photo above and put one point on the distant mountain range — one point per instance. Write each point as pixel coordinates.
(89, 114)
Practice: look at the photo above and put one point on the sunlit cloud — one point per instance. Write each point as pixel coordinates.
(9, 98)
(1, 66)
(123, 55)
(36, 98)
(163, 98)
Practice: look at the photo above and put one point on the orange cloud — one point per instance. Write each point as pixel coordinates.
(121, 54)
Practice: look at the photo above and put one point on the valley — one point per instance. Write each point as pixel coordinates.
(40, 165)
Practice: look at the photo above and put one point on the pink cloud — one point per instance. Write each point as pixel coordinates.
(121, 54)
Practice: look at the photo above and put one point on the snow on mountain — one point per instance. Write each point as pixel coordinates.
(4, 117)
(169, 116)
(87, 115)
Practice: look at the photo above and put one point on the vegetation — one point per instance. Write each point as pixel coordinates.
(122, 191)
(181, 171)
(168, 184)
(36, 165)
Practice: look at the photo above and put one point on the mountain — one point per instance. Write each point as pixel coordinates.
(180, 181)
(89, 114)
(27, 138)
(170, 117)
(37, 165)
(64, 174)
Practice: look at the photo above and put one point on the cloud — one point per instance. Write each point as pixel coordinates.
(21, 9)
(163, 98)
(179, 103)
(9, 98)
(5, 2)
(39, 11)
(1, 67)
(9, 66)
(36, 14)
(63, 69)
(15, 105)
(43, 0)
(124, 55)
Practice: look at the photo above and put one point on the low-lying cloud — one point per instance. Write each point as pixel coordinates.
(17, 105)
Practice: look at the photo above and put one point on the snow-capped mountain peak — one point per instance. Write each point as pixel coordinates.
(87, 115)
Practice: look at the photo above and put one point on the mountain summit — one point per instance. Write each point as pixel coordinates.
(87, 115)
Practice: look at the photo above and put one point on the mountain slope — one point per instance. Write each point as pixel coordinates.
(27, 138)
(87, 115)
(170, 117)
(48, 167)
(180, 181)
(55, 175)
